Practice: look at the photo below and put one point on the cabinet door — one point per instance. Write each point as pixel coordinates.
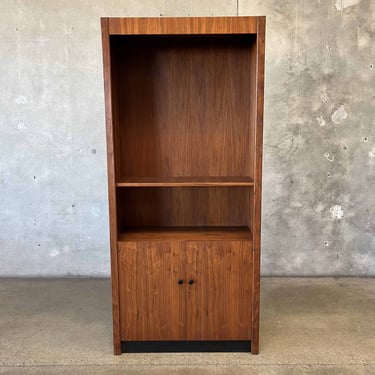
(218, 302)
(152, 303)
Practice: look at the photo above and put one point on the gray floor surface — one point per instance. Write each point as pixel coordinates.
(308, 326)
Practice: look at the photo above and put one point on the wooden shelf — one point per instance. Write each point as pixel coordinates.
(184, 181)
(186, 233)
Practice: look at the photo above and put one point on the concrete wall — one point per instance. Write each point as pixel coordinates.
(319, 144)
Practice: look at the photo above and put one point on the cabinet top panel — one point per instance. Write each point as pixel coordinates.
(182, 25)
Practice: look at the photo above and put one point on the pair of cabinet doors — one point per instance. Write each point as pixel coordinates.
(185, 290)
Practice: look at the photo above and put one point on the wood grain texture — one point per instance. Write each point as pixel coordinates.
(187, 233)
(217, 306)
(194, 94)
(219, 301)
(260, 50)
(111, 186)
(183, 206)
(182, 25)
(184, 181)
(152, 301)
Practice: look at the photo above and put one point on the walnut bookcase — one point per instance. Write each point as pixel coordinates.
(184, 117)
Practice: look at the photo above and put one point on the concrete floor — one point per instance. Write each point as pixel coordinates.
(308, 326)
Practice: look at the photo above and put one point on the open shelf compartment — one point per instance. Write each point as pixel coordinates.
(182, 108)
(207, 209)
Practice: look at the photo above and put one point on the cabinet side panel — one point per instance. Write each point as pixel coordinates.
(111, 184)
(152, 301)
(260, 48)
(218, 301)
(116, 68)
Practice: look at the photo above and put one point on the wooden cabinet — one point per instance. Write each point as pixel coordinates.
(184, 117)
(185, 290)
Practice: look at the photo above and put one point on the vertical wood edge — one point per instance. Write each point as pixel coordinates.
(111, 185)
(258, 181)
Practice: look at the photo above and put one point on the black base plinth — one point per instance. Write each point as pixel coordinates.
(184, 346)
